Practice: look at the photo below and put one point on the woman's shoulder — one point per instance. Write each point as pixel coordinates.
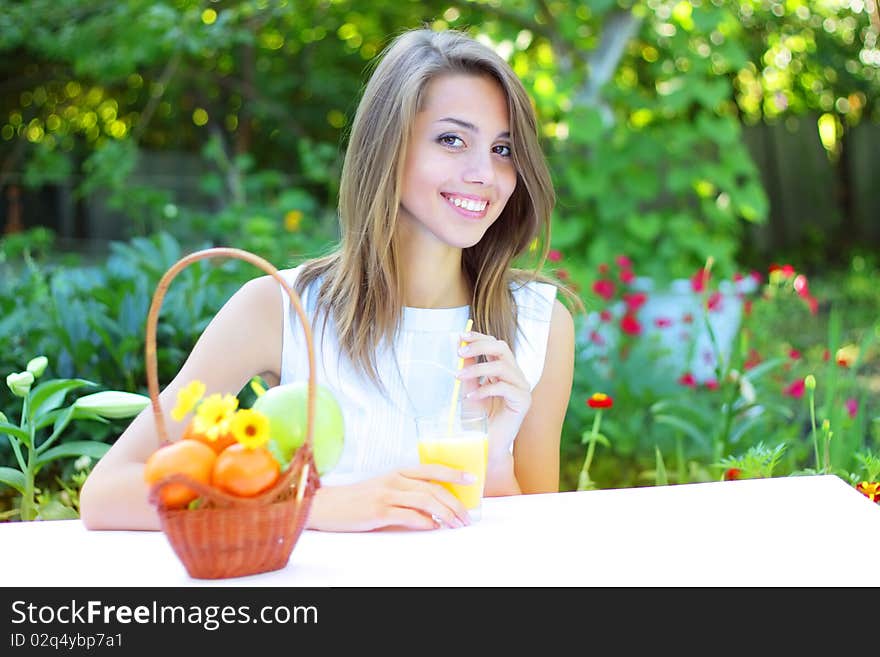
(534, 298)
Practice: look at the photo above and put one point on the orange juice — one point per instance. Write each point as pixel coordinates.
(463, 450)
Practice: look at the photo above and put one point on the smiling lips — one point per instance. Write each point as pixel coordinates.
(468, 206)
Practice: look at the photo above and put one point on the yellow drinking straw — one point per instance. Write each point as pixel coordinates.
(457, 385)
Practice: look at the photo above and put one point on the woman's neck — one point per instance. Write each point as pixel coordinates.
(432, 277)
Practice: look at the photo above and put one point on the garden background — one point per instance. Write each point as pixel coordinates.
(716, 165)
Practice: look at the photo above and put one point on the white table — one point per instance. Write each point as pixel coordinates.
(787, 531)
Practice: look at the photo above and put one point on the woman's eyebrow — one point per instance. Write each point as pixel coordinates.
(468, 126)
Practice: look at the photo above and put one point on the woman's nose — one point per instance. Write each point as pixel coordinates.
(479, 168)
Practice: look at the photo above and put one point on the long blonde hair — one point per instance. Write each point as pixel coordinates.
(361, 287)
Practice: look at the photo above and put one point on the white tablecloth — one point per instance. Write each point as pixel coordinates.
(787, 531)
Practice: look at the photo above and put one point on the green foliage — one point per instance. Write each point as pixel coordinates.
(639, 103)
(90, 320)
(758, 461)
(43, 412)
(667, 423)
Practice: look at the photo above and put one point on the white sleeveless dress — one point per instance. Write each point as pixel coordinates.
(417, 372)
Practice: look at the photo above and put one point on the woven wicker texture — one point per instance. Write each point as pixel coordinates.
(229, 536)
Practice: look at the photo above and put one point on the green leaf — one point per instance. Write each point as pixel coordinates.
(74, 448)
(690, 412)
(758, 371)
(744, 427)
(50, 395)
(779, 409)
(660, 477)
(49, 418)
(12, 430)
(62, 420)
(55, 510)
(585, 125)
(567, 233)
(683, 425)
(14, 478)
(600, 438)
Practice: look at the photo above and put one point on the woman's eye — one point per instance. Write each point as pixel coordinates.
(503, 150)
(450, 140)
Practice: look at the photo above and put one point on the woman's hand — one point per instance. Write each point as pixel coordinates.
(409, 498)
(500, 383)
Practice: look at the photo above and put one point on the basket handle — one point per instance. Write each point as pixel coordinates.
(153, 316)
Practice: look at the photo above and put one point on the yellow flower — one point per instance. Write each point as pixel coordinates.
(187, 399)
(250, 428)
(214, 415)
(292, 220)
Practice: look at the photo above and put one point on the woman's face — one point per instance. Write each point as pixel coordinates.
(458, 169)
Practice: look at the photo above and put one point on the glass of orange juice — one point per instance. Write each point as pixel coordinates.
(459, 440)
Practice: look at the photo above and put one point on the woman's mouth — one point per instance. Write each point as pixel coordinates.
(467, 206)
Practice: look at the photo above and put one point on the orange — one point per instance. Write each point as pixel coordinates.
(218, 445)
(189, 457)
(245, 472)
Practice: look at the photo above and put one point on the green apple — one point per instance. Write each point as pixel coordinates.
(285, 406)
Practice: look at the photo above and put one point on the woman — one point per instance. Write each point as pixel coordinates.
(443, 185)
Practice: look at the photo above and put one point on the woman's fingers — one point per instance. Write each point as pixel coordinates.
(398, 516)
(516, 398)
(479, 344)
(437, 472)
(417, 489)
(429, 503)
(498, 376)
(494, 370)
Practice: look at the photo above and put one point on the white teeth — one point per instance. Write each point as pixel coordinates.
(468, 204)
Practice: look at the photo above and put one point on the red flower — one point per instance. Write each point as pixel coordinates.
(714, 302)
(687, 379)
(600, 400)
(753, 360)
(843, 362)
(603, 268)
(795, 389)
(630, 325)
(554, 256)
(596, 338)
(604, 288)
(699, 280)
(687, 318)
(662, 322)
(712, 384)
(813, 303)
(800, 285)
(852, 407)
(623, 262)
(747, 307)
(871, 490)
(605, 316)
(826, 355)
(757, 276)
(787, 271)
(562, 274)
(732, 474)
(794, 354)
(635, 301)
(626, 276)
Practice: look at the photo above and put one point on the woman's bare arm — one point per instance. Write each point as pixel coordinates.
(243, 340)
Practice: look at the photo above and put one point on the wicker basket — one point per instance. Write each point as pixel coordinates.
(229, 536)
